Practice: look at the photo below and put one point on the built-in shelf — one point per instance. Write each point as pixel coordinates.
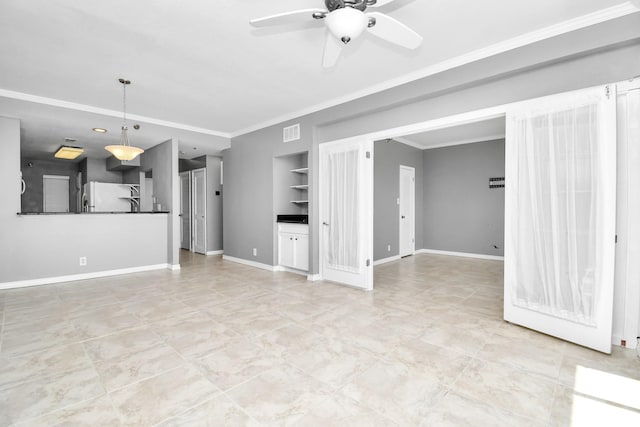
(301, 170)
(301, 187)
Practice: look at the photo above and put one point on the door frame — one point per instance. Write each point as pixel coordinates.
(412, 209)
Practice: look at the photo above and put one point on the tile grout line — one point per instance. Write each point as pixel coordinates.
(93, 365)
(60, 409)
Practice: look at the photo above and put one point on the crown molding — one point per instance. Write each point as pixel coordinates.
(578, 23)
(106, 112)
(408, 142)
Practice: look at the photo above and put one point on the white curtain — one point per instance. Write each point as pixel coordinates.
(343, 250)
(560, 210)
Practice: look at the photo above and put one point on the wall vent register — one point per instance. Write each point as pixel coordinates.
(291, 133)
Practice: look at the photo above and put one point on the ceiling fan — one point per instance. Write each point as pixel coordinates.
(346, 20)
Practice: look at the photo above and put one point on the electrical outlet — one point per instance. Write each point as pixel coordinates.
(388, 248)
(83, 260)
(255, 251)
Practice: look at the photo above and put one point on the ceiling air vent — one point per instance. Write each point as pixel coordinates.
(291, 133)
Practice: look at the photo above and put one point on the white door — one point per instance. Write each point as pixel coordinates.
(560, 208)
(55, 193)
(407, 211)
(185, 210)
(199, 183)
(346, 212)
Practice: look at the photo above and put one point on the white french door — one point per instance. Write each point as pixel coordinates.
(346, 212)
(560, 211)
(407, 212)
(199, 192)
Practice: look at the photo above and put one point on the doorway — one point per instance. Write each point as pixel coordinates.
(193, 210)
(623, 286)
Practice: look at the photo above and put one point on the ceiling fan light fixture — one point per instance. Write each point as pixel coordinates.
(124, 151)
(346, 23)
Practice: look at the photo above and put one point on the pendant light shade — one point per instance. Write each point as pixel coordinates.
(124, 151)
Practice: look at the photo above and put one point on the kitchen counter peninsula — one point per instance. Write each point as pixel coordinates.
(92, 213)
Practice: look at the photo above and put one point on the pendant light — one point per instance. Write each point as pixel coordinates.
(124, 151)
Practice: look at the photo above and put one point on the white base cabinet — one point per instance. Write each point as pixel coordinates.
(293, 246)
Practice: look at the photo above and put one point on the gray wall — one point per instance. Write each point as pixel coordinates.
(45, 246)
(96, 170)
(162, 161)
(386, 229)
(248, 210)
(461, 213)
(535, 70)
(31, 200)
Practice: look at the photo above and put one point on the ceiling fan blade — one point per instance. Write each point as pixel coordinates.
(332, 49)
(381, 3)
(394, 31)
(285, 18)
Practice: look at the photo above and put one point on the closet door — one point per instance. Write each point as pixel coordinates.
(560, 210)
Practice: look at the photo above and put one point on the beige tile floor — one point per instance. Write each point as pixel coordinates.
(219, 343)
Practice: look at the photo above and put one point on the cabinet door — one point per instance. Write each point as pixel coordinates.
(286, 249)
(302, 251)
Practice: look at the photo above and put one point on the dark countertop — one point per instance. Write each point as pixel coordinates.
(92, 213)
(293, 219)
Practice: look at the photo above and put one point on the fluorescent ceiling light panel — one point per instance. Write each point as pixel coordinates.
(68, 153)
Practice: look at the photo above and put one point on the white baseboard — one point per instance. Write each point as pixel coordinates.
(313, 277)
(83, 276)
(249, 263)
(174, 267)
(290, 270)
(460, 254)
(220, 252)
(386, 260)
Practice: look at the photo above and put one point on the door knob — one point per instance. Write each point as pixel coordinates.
(402, 216)
(325, 223)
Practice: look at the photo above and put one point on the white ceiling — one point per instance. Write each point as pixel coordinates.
(485, 130)
(200, 69)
